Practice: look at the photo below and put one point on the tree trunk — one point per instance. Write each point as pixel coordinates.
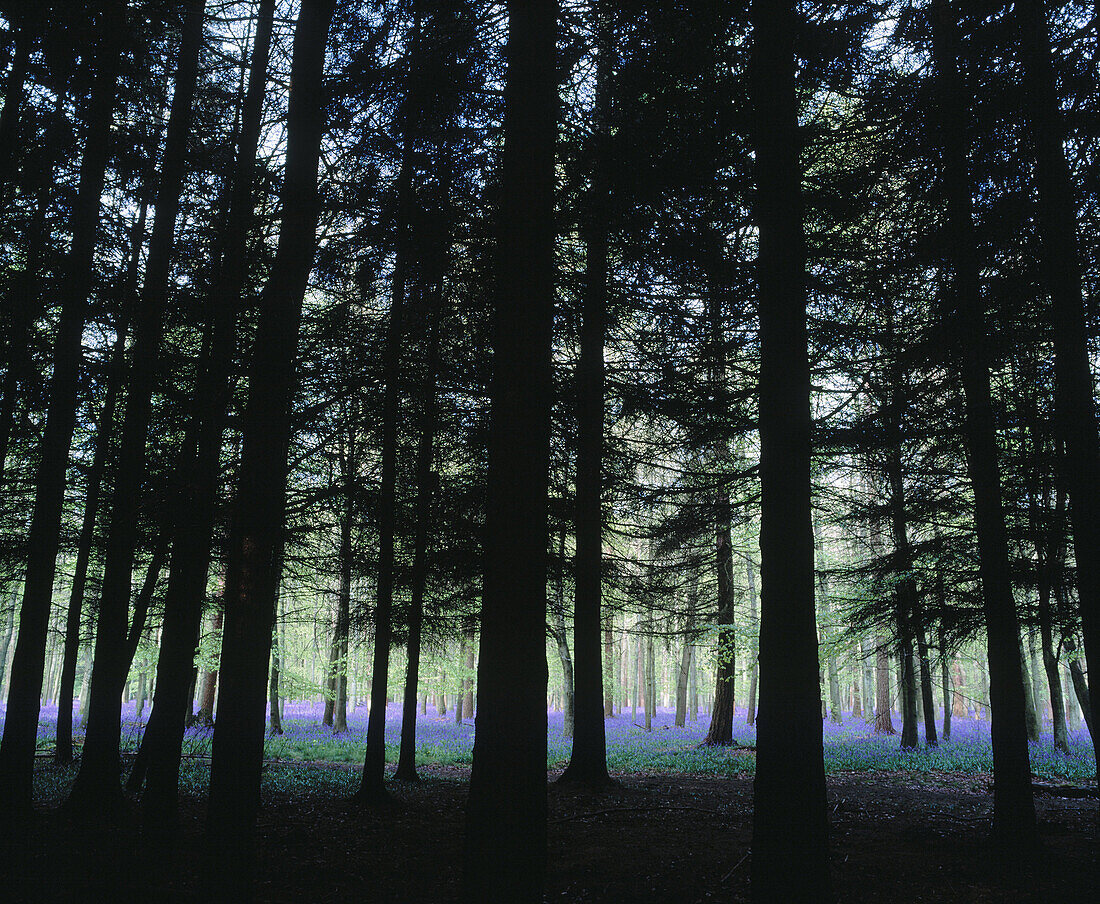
(1080, 686)
(505, 855)
(199, 473)
(682, 676)
(64, 749)
(790, 822)
(720, 732)
(557, 629)
(588, 758)
(205, 715)
(754, 627)
(97, 785)
(1031, 715)
(25, 682)
(274, 716)
(1075, 402)
(372, 782)
(884, 719)
(1013, 804)
(608, 670)
(256, 536)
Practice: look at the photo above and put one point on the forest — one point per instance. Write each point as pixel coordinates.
(582, 450)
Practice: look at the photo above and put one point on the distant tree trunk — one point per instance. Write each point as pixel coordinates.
(557, 629)
(650, 684)
(924, 663)
(884, 720)
(43, 536)
(64, 749)
(608, 671)
(471, 652)
(857, 698)
(754, 626)
(867, 662)
(505, 856)
(256, 536)
(343, 597)
(205, 715)
(948, 692)
(682, 677)
(1075, 403)
(274, 716)
(1080, 685)
(199, 471)
(1013, 804)
(836, 714)
(1031, 714)
(720, 732)
(790, 822)
(8, 632)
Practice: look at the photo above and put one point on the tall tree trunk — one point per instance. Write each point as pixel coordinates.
(884, 720)
(25, 683)
(205, 715)
(505, 857)
(64, 748)
(372, 782)
(790, 823)
(97, 782)
(1031, 714)
(275, 718)
(343, 598)
(199, 476)
(1080, 686)
(682, 676)
(924, 663)
(1013, 805)
(588, 758)
(256, 537)
(1074, 393)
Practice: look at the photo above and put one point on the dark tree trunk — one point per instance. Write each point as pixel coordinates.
(64, 749)
(256, 539)
(608, 670)
(790, 823)
(1074, 393)
(924, 663)
(682, 676)
(97, 782)
(25, 684)
(199, 477)
(1031, 713)
(275, 720)
(505, 856)
(339, 719)
(372, 787)
(1013, 806)
(588, 759)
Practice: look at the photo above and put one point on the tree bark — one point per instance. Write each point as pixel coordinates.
(64, 748)
(200, 472)
(790, 822)
(505, 856)
(1013, 804)
(588, 758)
(1075, 402)
(256, 537)
(884, 719)
(25, 683)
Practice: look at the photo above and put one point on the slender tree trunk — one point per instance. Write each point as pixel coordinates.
(608, 670)
(790, 822)
(924, 663)
(505, 856)
(754, 626)
(200, 474)
(1031, 714)
(64, 750)
(1075, 401)
(1080, 686)
(256, 537)
(720, 732)
(884, 720)
(205, 715)
(372, 783)
(1013, 805)
(25, 683)
(97, 782)
(588, 758)
(274, 716)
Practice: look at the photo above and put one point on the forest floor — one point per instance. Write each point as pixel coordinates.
(654, 837)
